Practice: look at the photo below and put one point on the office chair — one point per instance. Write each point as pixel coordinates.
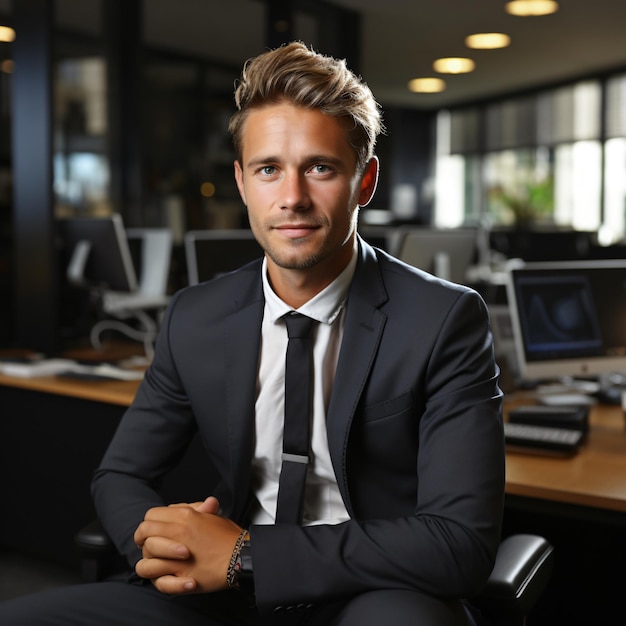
(151, 250)
(522, 571)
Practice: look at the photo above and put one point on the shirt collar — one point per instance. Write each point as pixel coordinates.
(323, 307)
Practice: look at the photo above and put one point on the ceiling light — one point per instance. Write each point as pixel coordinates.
(427, 85)
(526, 8)
(6, 33)
(454, 65)
(487, 41)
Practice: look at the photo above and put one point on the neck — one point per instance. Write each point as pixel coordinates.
(296, 287)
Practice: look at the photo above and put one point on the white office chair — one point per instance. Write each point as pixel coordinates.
(152, 268)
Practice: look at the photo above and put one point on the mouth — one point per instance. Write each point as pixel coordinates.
(296, 231)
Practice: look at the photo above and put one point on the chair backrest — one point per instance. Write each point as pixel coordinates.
(151, 250)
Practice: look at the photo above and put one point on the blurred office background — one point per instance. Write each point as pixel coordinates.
(121, 106)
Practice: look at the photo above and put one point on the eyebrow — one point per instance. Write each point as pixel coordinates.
(310, 160)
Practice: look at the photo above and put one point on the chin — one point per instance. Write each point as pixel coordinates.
(294, 261)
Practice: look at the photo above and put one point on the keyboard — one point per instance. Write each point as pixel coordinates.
(545, 438)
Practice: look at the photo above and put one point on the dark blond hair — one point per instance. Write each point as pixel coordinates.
(305, 78)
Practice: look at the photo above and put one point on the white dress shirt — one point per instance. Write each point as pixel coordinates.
(323, 503)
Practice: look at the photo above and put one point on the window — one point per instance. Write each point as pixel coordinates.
(533, 158)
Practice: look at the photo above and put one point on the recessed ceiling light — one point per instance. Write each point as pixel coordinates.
(454, 65)
(427, 85)
(527, 8)
(487, 41)
(6, 33)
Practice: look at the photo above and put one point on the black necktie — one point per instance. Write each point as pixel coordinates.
(295, 459)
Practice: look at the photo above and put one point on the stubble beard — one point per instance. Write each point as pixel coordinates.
(293, 260)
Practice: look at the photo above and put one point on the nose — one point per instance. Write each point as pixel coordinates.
(294, 192)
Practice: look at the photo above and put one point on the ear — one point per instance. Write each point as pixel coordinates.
(369, 182)
(239, 181)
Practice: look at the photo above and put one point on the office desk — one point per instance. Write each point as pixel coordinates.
(53, 434)
(120, 393)
(593, 478)
(70, 411)
(579, 504)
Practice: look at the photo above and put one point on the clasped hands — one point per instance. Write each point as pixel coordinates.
(186, 548)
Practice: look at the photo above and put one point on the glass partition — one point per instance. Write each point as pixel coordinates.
(81, 162)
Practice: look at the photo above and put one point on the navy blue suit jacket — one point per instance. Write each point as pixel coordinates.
(414, 430)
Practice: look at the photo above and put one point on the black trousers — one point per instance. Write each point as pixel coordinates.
(123, 604)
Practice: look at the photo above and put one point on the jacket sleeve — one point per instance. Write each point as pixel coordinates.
(446, 545)
(150, 440)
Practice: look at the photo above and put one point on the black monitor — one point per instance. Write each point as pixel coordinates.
(210, 253)
(539, 246)
(569, 318)
(96, 254)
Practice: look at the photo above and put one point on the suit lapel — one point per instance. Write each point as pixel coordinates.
(241, 355)
(363, 329)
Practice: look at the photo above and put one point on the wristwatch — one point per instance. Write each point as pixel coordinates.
(246, 578)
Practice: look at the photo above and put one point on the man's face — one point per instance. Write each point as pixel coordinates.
(298, 177)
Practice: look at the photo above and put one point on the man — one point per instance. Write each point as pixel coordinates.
(405, 474)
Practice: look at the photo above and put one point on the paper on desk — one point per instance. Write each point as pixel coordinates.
(54, 367)
(110, 371)
(44, 367)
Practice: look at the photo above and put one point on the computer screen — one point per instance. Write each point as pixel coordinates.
(210, 253)
(542, 246)
(569, 318)
(96, 254)
(444, 252)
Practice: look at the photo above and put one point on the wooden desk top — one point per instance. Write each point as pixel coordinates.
(595, 477)
(121, 393)
(109, 391)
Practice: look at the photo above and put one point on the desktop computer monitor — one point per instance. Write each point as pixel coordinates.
(542, 246)
(96, 254)
(569, 318)
(210, 253)
(444, 252)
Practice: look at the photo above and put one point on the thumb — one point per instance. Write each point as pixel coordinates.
(210, 505)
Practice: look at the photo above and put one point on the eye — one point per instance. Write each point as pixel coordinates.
(321, 168)
(267, 170)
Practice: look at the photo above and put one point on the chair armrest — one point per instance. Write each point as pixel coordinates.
(99, 557)
(92, 540)
(522, 570)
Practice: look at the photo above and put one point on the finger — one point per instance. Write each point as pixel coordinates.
(210, 505)
(173, 585)
(164, 548)
(163, 513)
(154, 528)
(152, 568)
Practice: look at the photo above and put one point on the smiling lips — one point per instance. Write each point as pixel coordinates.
(296, 231)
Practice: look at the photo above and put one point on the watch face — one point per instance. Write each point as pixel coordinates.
(246, 559)
(246, 577)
